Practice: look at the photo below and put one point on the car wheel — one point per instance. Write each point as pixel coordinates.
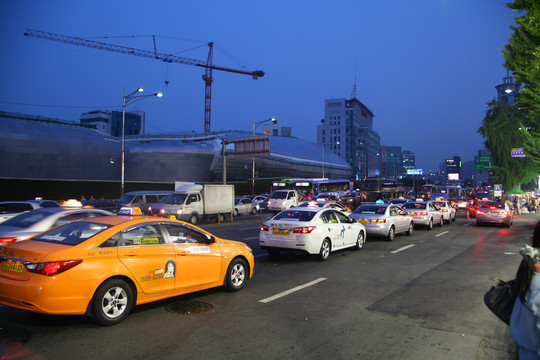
(430, 225)
(237, 274)
(235, 212)
(324, 253)
(254, 211)
(454, 218)
(410, 229)
(441, 222)
(273, 252)
(194, 219)
(391, 234)
(112, 302)
(360, 241)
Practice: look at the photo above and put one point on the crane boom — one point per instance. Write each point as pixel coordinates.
(208, 65)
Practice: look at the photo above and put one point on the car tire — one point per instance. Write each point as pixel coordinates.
(235, 212)
(237, 275)
(324, 253)
(111, 302)
(441, 222)
(454, 218)
(410, 229)
(253, 211)
(194, 219)
(391, 234)
(273, 252)
(430, 225)
(360, 240)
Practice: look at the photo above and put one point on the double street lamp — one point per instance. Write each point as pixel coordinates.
(128, 100)
(255, 124)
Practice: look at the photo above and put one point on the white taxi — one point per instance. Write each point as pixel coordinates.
(423, 213)
(311, 230)
(447, 210)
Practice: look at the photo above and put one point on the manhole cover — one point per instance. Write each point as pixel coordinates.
(189, 307)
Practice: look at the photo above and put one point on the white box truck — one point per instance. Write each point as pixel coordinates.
(194, 202)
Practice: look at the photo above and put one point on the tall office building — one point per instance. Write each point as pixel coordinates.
(408, 161)
(110, 122)
(391, 162)
(347, 130)
(452, 170)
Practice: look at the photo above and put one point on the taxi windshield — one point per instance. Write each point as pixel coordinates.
(72, 233)
(370, 209)
(414, 205)
(297, 215)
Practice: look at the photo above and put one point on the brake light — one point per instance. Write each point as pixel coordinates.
(161, 211)
(52, 268)
(304, 229)
(443, 210)
(378, 221)
(7, 240)
(264, 228)
(479, 212)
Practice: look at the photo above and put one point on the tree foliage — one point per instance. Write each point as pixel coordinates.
(501, 129)
(522, 55)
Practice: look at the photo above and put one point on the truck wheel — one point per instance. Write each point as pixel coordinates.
(194, 219)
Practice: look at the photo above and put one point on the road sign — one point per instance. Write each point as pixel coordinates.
(518, 152)
(497, 190)
(483, 163)
(252, 146)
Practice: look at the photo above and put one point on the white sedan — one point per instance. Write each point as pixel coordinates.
(384, 220)
(447, 210)
(424, 213)
(311, 230)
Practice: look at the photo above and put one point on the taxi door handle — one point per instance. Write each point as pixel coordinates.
(131, 253)
(182, 252)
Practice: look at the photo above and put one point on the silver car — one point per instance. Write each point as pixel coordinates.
(447, 210)
(9, 209)
(424, 213)
(28, 224)
(244, 206)
(492, 212)
(384, 220)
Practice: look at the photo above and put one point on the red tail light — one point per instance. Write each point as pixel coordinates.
(264, 228)
(52, 268)
(304, 229)
(378, 221)
(7, 240)
(479, 212)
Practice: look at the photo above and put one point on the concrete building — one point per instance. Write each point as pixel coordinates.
(408, 161)
(391, 162)
(347, 130)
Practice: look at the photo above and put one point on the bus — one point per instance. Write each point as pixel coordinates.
(388, 185)
(446, 192)
(314, 186)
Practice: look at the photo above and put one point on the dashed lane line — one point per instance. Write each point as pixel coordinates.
(290, 291)
(444, 232)
(401, 249)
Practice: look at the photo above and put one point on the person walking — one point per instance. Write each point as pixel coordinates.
(525, 319)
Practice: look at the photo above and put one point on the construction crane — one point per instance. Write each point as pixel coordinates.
(208, 65)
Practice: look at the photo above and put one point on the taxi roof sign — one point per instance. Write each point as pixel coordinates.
(128, 210)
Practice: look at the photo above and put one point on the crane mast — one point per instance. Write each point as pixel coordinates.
(208, 65)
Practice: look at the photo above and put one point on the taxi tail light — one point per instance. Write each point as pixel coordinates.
(479, 212)
(378, 221)
(52, 268)
(304, 229)
(265, 228)
(7, 240)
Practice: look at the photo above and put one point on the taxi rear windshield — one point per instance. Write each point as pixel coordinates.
(295, 215)
(72, 233)
(370, 209)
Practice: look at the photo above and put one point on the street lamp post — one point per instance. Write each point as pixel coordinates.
(130, 99)
(255, 124)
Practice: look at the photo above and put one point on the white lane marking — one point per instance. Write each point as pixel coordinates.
(401, 249)
(444, 232)
(251, 238)
(467, 224)
(290, 291)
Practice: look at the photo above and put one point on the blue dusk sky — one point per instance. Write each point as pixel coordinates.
(425, 68)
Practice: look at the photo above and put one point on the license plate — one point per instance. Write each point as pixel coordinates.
(363, 221)
(11, 266)
(280, 231)
(172, 217)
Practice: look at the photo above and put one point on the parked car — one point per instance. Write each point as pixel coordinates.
(447, 210)
(244, 206)
(106, 265)
(314, 230)
(384, 220)
(424, 213)
(492, 212)
(30, 223)
(9, 209)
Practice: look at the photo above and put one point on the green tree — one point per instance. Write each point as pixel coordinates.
(501, 129)
(522, 56)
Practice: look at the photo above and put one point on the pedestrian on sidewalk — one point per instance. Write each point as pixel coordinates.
(525, 319)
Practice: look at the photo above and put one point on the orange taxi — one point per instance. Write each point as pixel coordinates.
(103, 266)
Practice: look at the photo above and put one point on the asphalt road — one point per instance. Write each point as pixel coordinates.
(418, 297)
